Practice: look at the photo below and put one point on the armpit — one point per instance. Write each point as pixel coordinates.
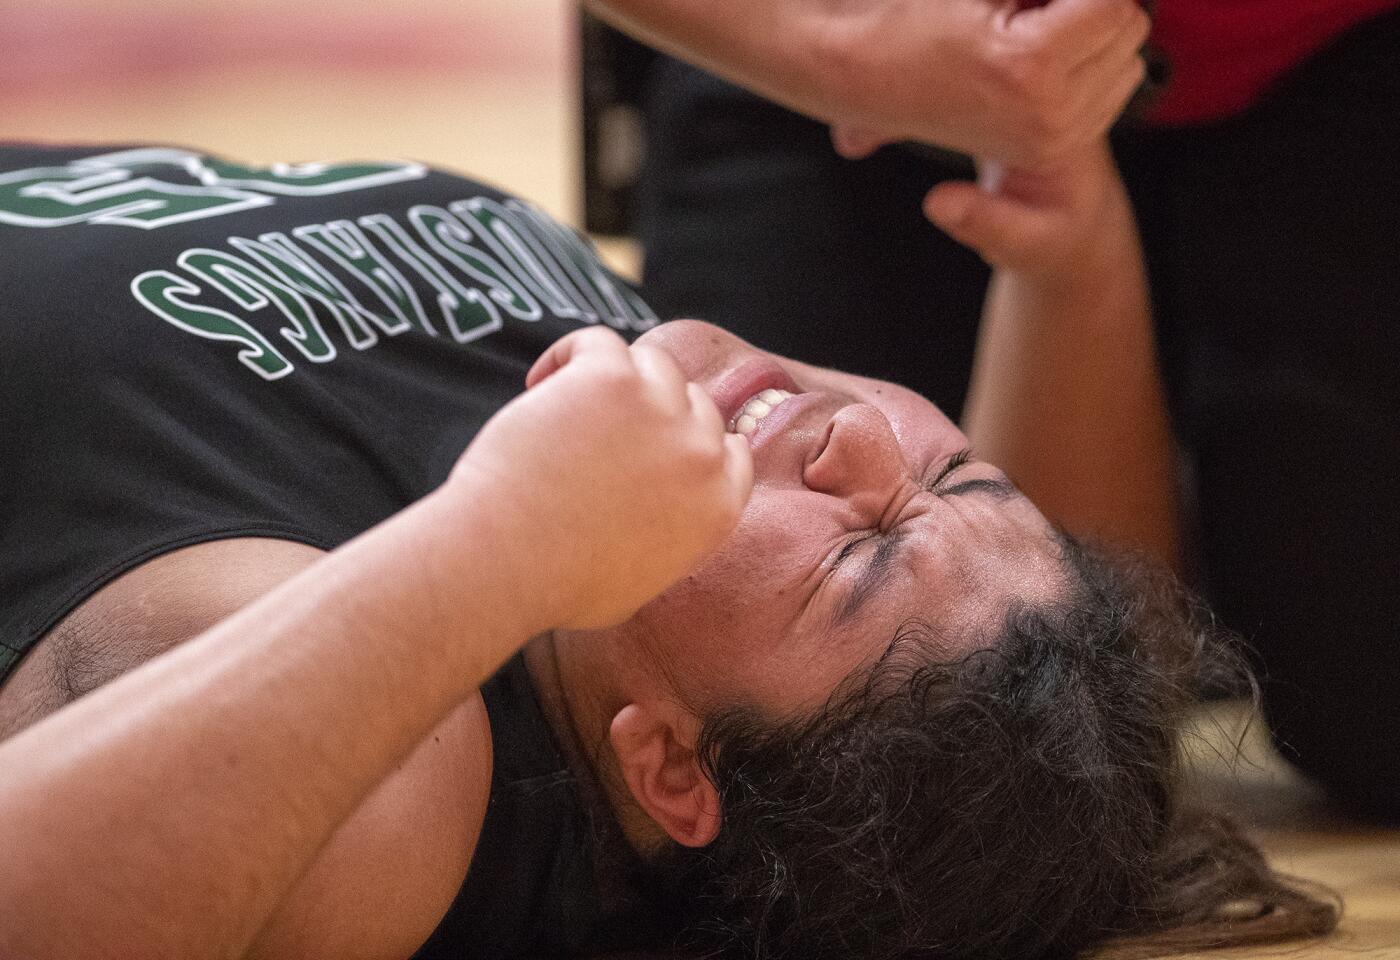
(31, 693)
(140, 615)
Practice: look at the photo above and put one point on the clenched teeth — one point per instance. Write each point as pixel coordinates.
(756, 409)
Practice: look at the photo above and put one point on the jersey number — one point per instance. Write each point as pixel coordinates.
(126, 188)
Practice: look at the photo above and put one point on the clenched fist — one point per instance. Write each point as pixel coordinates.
(613, 475)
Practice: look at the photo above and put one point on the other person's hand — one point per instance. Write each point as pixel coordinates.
(991, 78)
(612, 475)
(1058, 218)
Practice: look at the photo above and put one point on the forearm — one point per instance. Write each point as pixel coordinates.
(972, 75)
(1067, 397)
(945, 73)
(784, 49)
(166, 814)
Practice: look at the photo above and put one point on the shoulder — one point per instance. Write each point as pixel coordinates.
(390, 872)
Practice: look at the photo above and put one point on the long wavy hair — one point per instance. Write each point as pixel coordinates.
(1022, 803)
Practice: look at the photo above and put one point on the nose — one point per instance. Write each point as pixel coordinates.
(862, 463)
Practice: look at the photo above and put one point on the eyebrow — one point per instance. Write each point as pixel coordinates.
(877, 572)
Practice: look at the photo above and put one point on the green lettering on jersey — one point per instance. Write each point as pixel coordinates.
(153, 187)
(59, 196)
(451, 240)
(161, 292)
(469, 312)
(285, 260)
(620, 305)
(252, 289)
(307, 179)
(496, 227)
(345, 243)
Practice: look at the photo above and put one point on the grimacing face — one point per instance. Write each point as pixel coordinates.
(856, 526)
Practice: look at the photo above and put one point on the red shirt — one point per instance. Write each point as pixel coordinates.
(1224, 54)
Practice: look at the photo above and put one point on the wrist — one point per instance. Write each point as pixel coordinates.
(851, 56)
(482, 561)
(1108, 247)
(1095, 234)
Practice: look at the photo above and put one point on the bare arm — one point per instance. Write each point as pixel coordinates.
(1066, 395)
(383, 880)
(170, 812)
(973, 75)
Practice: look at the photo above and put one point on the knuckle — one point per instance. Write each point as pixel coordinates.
(1032, 81)
(593, 335)
(703, 454)
(667, 393)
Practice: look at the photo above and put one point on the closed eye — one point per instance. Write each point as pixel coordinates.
(958, 459)
(952, 463)
(875, 572)
(847, 550)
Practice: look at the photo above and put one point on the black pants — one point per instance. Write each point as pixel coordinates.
(1273, 242)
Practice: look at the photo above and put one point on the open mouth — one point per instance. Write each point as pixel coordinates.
(748, 382)
(756, 408)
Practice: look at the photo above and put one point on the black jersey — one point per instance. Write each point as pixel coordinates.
(551, 875)
(194, 349)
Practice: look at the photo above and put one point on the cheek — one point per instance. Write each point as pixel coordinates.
(703, 621)
(717, 626)
(771, 551)
(918, 424)
(700, 639)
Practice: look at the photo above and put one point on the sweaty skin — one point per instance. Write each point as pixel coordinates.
(856, 534)
(842, 468)
(269, 763)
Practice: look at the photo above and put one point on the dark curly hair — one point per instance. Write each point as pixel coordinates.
(1022, 802)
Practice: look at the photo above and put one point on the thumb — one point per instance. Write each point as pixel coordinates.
(562, 352)
(1003, 231)
(856, 142)
(738, 470)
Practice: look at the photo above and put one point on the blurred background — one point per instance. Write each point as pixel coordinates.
(487, 88)
(482, 87)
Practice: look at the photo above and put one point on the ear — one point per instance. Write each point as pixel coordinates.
(655, 747)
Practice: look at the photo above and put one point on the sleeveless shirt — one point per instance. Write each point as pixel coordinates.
(551, 875)
(194, 349)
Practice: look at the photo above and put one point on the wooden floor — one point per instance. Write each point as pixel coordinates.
(487, 87)
(482, 87)
(1302, 836)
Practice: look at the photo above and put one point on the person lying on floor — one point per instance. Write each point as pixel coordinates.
(693, 647)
